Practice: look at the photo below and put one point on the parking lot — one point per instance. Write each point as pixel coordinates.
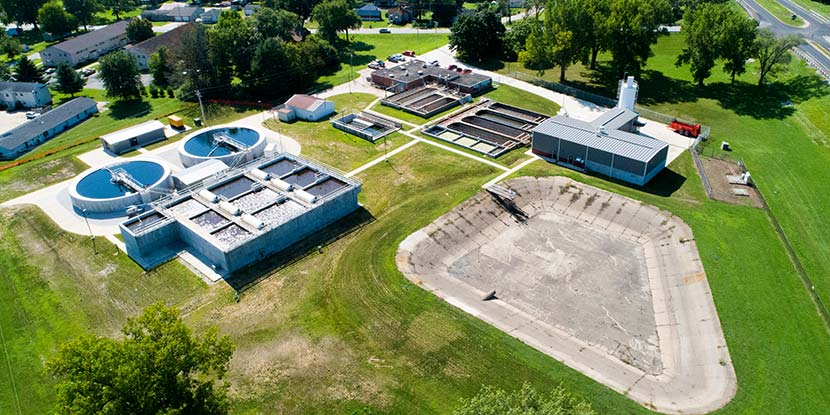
(9, 120)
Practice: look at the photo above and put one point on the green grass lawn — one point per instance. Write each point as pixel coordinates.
(782, 13)
(321, 141)
(377, 46)
(822, 8)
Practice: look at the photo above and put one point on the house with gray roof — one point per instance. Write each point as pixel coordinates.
(593, 147)
(25, 137)
(172, 40)
(24, 95)
(87, 47)
(173, 14)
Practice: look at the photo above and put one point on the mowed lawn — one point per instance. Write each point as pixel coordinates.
(321, 141)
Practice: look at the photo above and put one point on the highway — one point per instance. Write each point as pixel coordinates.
(816, 32)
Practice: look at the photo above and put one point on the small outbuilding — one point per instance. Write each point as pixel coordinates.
(133, 137)
(369, 12)
(309, 108)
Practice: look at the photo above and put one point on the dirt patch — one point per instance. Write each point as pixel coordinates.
(716, 172)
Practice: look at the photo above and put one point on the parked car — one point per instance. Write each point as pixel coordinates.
(373, 65)
(466, 71)
(31, 115)
(380, 63)
(396, 58)
(434, 63)
(385, 30)
(409, 53)
(452, 67)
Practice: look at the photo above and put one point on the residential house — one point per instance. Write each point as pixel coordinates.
(174, 14)
(369, 12)
(399, 15)
(309, 108)
(250, 9)
(171, 40)
(24, 94)
(87, 47)
(210, 16)
(27, 136)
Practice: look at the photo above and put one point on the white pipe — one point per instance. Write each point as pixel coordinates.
(230, 208)
(251, 220)
(261, 175)
(282, 185)
(209, 196)
(305, 196)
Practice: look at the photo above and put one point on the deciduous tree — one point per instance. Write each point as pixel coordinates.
(119, 72)
(633, 26)
(120, 6)
(10, 46)
(478, 36)
(703, 27)
(526, 401)
(55, 20)
(737, 42)
(335, 16)
(161, 67)
(139, 30)
(158, 367)
(773, 53)
(68, 80)
(276, 23)
(22, 11)
(83, 10)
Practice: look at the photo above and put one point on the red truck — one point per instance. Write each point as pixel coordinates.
(682, 128)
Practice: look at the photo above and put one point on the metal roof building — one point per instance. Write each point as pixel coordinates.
(87, 47)
(131, 137)
(618, 119)
(593, 147)
(32, 133)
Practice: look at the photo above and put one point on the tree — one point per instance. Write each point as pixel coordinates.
(5, 73)
(55, 20)
(335, 16)
(515, 39)
(526, 401)
(737, 42)
(119, 72)
(703, 26)
(773, 53)
(83, 10)
(139, 30)
(161, 67)
(119, 6)
(9, 45)
(444, 11)
(232, 43)
(26, 71)
(478, 36)
(22, 11)
(596, 27)
(159, 367)
(302, 8)
(276, 23)
(632, 27)
(195, 69)
(274, 69)
(68, 80)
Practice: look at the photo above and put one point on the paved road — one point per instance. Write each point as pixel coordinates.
(816, 31)
(376, 26)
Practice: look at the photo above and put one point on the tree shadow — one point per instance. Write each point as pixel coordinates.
(316, 243)
(133, 108)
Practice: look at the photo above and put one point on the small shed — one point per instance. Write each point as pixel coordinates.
(309, 108)
(136, 136)
(286, 115)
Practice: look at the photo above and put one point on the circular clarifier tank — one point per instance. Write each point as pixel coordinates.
(231, 144)
(114, 188)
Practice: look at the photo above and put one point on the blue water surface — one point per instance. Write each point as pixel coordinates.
(201, 144)
(99, 185)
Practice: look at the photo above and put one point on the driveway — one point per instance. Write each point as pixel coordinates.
(95, 82)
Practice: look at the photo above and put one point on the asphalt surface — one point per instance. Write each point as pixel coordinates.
(817, 31)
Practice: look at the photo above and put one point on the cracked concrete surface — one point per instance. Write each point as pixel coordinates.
(607, 285)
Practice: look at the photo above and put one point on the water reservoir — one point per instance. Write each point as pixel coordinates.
(231, 144)
(114, 188)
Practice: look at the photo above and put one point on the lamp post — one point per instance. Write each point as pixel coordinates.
(89, 228)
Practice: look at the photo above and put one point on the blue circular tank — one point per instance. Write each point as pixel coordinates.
(114, 188)
(229, 143)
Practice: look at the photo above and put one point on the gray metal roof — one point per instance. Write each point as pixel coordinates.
(408, 72)
(92, 38)
(20, 86)
(633, 146)
(45, 122)
(615, 118)
(131, 132)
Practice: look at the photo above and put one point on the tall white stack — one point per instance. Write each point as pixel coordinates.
(628, 94)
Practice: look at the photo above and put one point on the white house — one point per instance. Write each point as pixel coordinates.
(309, 108)
(87, 47)
(24, 94)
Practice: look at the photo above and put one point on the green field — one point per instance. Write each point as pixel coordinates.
(321, 141)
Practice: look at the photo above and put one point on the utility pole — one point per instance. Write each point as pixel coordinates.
(91, 236)
(201, 107)
(351, 69)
